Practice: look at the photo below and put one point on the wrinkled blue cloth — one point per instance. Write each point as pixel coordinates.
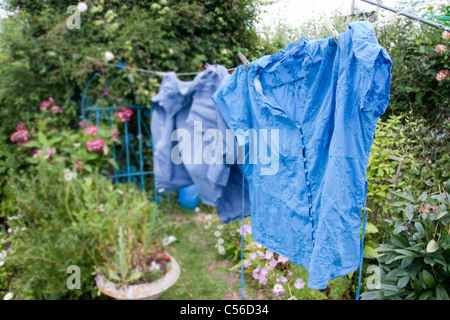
(188, 106)
(325, 99)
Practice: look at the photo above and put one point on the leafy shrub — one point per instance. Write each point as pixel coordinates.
(416, 262)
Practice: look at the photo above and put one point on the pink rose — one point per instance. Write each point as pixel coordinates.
(446, 35)
(56, 109)
(20, 126)
(440, 48)
(95, 145)
(20, 137)
(442, 75)
(124, 114)
(46, 104)
(91, 130)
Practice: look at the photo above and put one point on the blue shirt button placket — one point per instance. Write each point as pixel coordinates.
(308, 185)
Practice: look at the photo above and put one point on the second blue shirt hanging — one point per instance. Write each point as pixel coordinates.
(189, 143)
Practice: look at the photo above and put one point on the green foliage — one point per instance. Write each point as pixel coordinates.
(414, 87)
(83, 221)
(416, 261)
(41, 57)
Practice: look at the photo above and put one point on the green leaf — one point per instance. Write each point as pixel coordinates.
(422, 197)
(402, 282)
(441, 293)
(429, 260)
(135, 275)
(419, 227)
(113, 275)
(427, 294)
(399, 241)
(371, 228)
(370, 251)
(443, 213)
(409, 212)
(428, 278)
(432, 246)
(400, 229)
(404, 196)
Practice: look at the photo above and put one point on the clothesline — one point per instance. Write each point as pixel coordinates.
(158, 73)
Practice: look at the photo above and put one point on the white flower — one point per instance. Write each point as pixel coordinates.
(292, 298)
(2, 263)
(119, 191)
(3, 254)
(217, 233)
(208, 217)
(224, 51)
(101, 207)
(220, 241)
(155, 266)
(76, 145)
(8, 296)
(68, 176)
(10, 230)
(207, 225)
(109, 55)
(197, 209)
(13, 218)
(170, 50)
(23, 229)
(232, 233)
(220, 226)
(82, 7)
(221, 250)
(278, 288)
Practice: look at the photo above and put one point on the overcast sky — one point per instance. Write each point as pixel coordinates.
(294, 12)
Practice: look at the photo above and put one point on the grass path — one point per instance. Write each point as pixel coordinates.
(203, 275)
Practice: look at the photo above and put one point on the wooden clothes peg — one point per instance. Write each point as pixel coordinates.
(244, 60)
(332, 29)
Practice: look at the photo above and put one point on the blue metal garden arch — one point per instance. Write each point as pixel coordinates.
(129, 155)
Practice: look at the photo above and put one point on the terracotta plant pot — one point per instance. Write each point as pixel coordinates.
(145, 291)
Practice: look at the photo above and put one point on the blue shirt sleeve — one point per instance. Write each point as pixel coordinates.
(233, 100)
(374, 66)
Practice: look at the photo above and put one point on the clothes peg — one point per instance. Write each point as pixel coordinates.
(244, 60)
(332, 29)
(210, 67)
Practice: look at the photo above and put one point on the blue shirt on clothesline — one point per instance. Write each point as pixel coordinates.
(323, 100)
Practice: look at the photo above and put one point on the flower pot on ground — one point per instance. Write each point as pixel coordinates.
(142, 291)
(130, 257)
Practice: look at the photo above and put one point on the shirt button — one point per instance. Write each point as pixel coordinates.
(306, 170)
(309, 194)
(308, 183)
(303, 146)
(310, 205)
(304, 159)
(310, 219)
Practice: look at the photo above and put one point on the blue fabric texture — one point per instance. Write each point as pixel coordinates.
(188, 106)
(325, 99)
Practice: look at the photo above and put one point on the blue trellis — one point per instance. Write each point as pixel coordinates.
(128, 155)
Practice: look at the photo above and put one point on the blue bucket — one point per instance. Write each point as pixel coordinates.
(188, 197)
